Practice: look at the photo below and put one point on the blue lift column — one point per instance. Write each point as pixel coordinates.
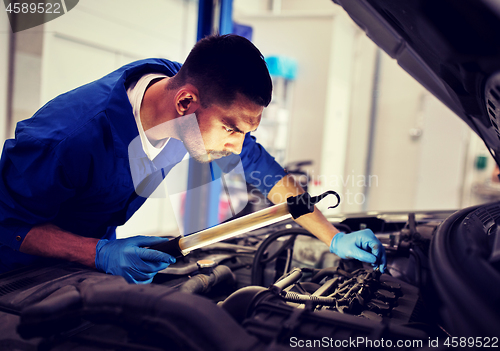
(202, 206)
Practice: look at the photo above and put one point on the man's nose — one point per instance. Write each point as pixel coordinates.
(235, 145)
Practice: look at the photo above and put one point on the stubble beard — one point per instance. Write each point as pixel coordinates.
(193, 142)
(208, 156)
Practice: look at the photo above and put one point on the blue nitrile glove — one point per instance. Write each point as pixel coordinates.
(130, 259)
(362, 245)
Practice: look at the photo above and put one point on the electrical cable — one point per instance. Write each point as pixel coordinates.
(258, 262)
(282, 248)
(288, 260)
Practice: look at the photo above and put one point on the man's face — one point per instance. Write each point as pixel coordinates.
(222, 129)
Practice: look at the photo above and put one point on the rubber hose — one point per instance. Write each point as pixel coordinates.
(257, 261)
(201, 283)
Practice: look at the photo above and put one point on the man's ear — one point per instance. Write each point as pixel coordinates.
(187, 100)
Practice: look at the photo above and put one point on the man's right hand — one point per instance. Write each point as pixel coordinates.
(131, 259)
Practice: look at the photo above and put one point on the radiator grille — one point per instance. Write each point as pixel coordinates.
(16, 285)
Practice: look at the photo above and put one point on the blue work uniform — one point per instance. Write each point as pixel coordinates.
(69, 164)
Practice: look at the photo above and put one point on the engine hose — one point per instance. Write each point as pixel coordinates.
(325, 272)
(289, 279)
(201, 283)
(289, 242)
(257, 265)
(300, 298)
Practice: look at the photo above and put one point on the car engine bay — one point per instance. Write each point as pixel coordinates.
(275, 288)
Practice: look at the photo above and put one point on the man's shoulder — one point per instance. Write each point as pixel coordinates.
(155, 61)
(71, 111)
(149, 65)
(77, 115)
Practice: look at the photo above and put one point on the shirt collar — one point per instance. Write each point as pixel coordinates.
(118, 110)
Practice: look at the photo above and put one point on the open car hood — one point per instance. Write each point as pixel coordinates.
(451, 47)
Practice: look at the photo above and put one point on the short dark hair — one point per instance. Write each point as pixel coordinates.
(220, 66)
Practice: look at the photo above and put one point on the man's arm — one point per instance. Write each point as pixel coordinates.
(128, 257)
(314, 222)
(259, 165)
(362, 245)
(48, 240)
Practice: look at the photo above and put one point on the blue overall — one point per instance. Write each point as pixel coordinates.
(69, 164)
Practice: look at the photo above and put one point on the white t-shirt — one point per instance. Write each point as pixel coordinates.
(135, 93)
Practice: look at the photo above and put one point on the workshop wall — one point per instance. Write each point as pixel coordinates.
(102, 35)
(340, 94)
(4, 72)
(333, 89)
(383, 145)
(419, 149)
(359, 132)
(26, 83)
(305, 37)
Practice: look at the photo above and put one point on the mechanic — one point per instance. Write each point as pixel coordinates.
(66, 182)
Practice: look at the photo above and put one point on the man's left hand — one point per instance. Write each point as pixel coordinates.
(362, 245)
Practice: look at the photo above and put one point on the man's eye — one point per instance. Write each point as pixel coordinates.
(228, 130)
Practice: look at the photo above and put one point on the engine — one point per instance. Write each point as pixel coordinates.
(276, 288)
